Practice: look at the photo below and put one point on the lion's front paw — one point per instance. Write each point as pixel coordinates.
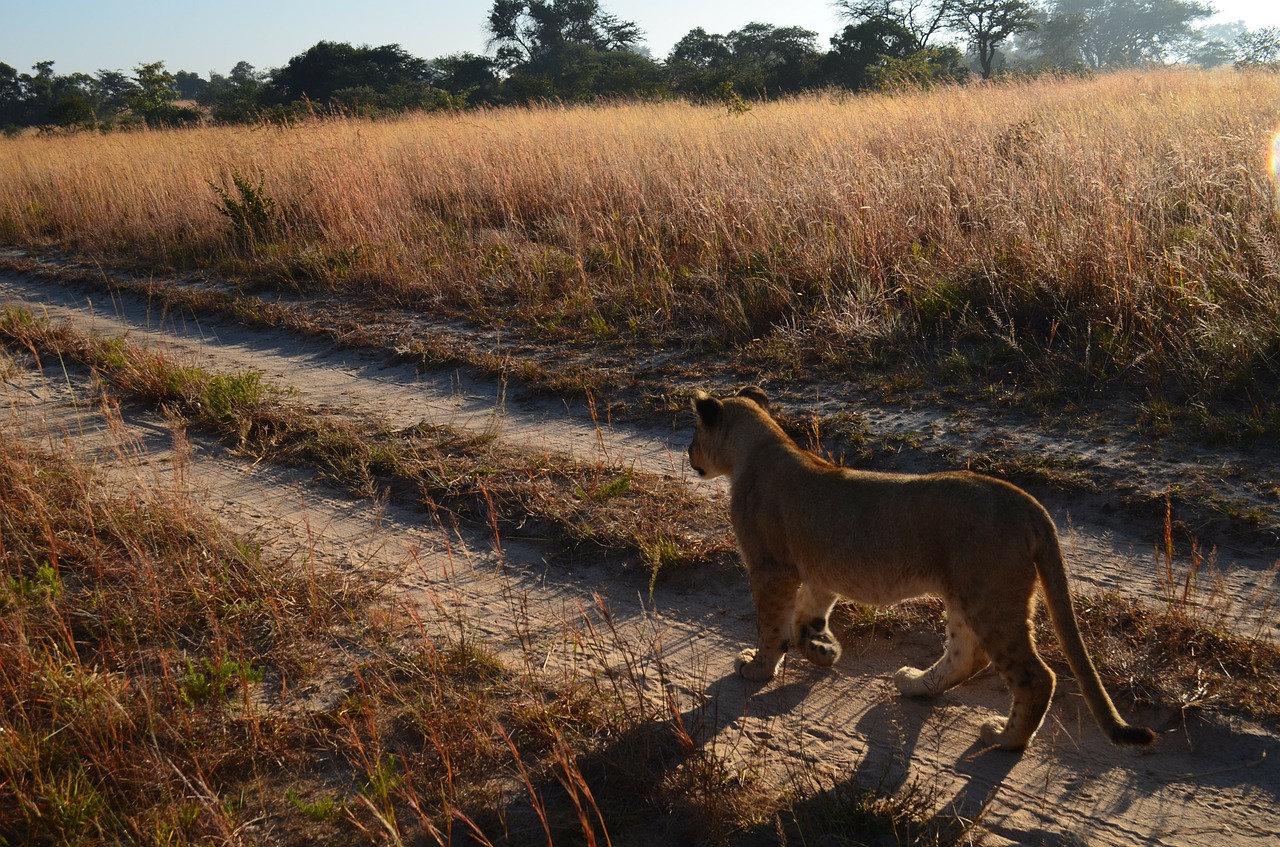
(749, 666)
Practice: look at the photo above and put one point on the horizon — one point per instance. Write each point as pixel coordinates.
(121, 36)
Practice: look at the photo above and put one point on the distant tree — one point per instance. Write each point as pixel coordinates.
(1259, 48)
(775, 60)
(580, 72)
(924, 68)
(568, 49)
(112, 90)
(1121, 33)
(989, 23)
(153, 94)
(524, 31)
(700, 63)
(330, 67)
(188, 84)
(44, 98)
(39, 93)
(1056, 42)
(468, 77)
(924, 19)
(758, 59)
(860, 48)
(1216, 44)
(237, 97)
(12, 99)
(74, 103)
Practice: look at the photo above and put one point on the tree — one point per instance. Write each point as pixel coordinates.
(1259, 48)
(1121, 33)
(922, 18)
(774, 59)
(39, 93)
(581, 72)
(1056, 42)
(12, 99)
(527, 30)
(189, 84)
(74, 103)
(568, 50)
(700, 62)
(988, 23)
(328, 68)
(1216, 44)
(759, 59)
(153, 94)
(237, 97)
(862, 47)
(924, 68)
(112, 90)
(468, 77)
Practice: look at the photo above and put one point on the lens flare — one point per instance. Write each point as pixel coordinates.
(1273, 165)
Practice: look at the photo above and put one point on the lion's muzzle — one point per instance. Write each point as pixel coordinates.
(694, 464)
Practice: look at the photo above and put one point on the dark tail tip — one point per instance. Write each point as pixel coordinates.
(1138, 736)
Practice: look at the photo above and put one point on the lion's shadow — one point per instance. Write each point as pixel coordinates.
(882, 777)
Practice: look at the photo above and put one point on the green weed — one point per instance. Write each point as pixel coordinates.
(251, 214)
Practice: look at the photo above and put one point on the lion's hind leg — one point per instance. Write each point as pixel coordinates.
(1030, 682)
(962, 658)
(815, 639)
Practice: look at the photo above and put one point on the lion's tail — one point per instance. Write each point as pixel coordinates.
(1053, 576)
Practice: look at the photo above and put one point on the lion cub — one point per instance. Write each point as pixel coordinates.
(810, 531)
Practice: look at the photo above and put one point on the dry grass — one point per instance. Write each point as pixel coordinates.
(1122, 226)
(136, 635)
(159, 674)
(151, 659)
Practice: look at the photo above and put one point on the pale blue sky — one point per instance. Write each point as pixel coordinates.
(88, 35)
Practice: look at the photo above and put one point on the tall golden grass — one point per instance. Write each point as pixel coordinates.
(1125, 222)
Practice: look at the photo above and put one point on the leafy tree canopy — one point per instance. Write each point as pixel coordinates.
(525, 31)
(1121, 33)
(986, 24)
(330, 67)
(758, 59)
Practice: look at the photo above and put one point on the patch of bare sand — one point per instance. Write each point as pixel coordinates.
(1209, 783)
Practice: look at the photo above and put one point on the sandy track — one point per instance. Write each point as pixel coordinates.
(1205, 784)
(1104, 550)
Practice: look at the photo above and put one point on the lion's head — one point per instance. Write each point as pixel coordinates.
(709, 452)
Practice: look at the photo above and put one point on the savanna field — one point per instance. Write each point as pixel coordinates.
(1116, 227)
(1101, 250)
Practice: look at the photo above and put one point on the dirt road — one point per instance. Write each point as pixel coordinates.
(1209, 782)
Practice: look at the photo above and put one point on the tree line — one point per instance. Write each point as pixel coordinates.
(573, 50)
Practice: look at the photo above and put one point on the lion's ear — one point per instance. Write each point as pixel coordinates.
(707, 408)
(756, 393)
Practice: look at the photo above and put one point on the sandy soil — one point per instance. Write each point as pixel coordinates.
(1211, 781)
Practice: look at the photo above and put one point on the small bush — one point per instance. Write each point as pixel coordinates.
(250, 211)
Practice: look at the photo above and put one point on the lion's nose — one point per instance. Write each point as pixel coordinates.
(699, 471)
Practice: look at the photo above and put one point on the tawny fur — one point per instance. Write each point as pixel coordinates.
(810, 532)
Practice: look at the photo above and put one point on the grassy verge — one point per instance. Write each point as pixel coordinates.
(137, 636)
